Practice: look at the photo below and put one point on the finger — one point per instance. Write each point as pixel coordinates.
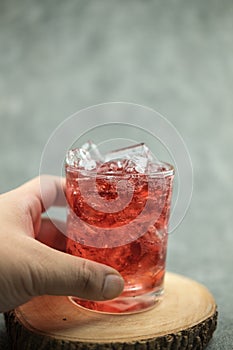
(46, 189)
(37, 195)
(51, 234)
(63, 274)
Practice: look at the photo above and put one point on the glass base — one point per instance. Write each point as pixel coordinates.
(121, 305)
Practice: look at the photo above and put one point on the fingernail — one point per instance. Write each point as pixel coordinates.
(113, 286)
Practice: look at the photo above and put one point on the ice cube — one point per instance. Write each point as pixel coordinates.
(79, 157)
(128, 152)
(156, 166)
(88, 164)
(93, 150)
(139, 156)
(141, 164)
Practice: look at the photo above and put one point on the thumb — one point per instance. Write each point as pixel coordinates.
(59, 273)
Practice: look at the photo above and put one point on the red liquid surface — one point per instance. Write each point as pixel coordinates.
(138, 252)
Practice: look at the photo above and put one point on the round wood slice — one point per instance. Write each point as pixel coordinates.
(184, 319)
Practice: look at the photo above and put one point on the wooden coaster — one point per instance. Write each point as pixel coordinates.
(185, 319)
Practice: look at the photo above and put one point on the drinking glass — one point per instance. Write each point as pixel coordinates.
(120, 218)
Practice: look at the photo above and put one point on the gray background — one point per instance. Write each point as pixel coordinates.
(57, 57)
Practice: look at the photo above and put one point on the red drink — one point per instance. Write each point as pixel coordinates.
(119, 217)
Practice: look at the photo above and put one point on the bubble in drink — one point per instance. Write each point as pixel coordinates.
(131, 238)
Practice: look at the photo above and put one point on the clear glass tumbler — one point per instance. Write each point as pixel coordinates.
(120, 218)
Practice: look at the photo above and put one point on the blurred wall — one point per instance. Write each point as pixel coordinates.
(57, 57)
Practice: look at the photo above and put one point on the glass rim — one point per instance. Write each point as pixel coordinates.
(169, 171)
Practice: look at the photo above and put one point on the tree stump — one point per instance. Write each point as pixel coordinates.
(184, 319)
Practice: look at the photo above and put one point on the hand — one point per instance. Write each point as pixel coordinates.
(29, 264)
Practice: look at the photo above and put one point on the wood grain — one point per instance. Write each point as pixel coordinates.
(184, 319)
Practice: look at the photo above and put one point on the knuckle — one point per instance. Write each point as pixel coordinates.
(86, 276)
(38, 272)
(37, 278)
